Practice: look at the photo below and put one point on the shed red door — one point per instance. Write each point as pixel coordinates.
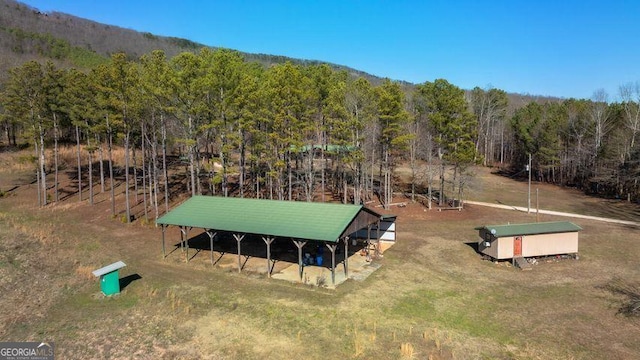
(517, 246)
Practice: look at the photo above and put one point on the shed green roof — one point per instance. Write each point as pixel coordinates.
(330, 148)
(531, 229)
(294, 219)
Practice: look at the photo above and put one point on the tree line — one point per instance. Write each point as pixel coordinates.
(589, 144)
(287, 132)
(300, 131)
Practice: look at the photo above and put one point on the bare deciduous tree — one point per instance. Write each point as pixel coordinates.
(630, 95)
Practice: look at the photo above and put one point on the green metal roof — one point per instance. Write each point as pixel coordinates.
(531, 229)
(330, 148)
(294, 219)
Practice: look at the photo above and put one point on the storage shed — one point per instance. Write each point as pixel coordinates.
(528, 240)
(385, 230)
(383, 233)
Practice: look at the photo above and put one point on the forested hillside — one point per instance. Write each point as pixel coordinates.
(27, 33)
(292, 130)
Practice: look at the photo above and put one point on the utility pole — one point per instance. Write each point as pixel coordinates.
(529, 193)
(537, 205)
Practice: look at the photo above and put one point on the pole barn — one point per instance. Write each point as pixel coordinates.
(299, 222)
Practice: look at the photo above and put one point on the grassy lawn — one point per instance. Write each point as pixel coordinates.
(433, 297)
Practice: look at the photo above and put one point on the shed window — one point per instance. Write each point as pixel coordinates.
(487, 240)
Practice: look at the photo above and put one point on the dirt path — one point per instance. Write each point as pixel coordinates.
(556, 213)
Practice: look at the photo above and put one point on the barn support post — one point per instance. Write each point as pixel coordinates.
(212, 234)
(239, 238)
(185, 234)
(164, 253)
(181, 239)
(346, 257)
(378, 239)
(368, 238)
(332, 248)
(369, 242)
(268, 240)
(184, 241)
(299, 244)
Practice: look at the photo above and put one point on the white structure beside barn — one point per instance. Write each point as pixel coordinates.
(528, 240)
(386, 231)
(383, 233)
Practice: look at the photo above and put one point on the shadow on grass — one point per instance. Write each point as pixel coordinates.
(125, 281)
(474, 246)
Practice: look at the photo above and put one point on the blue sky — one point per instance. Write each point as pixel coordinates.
(557, 48)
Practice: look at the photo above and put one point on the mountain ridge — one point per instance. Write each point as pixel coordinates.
(27, 33)
(105, 39)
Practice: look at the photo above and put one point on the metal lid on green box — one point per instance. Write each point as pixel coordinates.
(109, 268)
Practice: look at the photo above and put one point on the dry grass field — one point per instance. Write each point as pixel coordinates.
(433, 297)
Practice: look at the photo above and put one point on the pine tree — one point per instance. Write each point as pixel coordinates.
(392, 118)
(26, 100)
(454, 128)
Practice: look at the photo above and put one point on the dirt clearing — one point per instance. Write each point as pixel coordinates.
(432, 297)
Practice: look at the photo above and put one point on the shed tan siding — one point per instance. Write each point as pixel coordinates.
(549, 244)
(532, 245)
(505, 247)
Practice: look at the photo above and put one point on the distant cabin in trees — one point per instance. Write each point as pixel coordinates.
(329, 149)
(528, 240)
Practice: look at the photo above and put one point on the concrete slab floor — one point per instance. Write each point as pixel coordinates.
(359, 270)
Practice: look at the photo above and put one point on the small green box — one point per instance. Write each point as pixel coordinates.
(109, 278)
(110, 283)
